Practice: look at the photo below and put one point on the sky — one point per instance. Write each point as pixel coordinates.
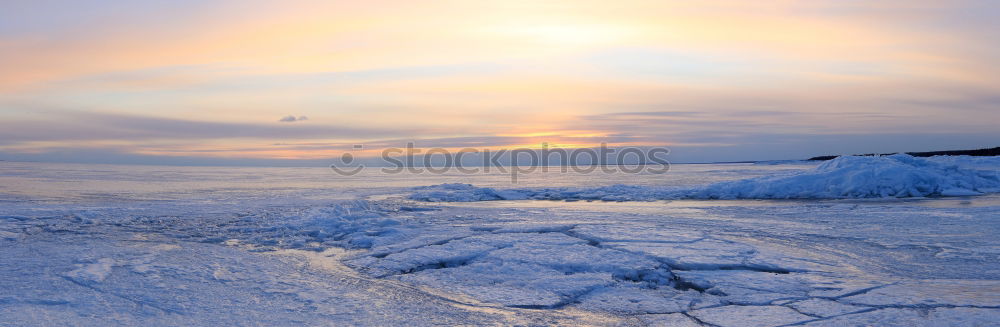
(265, 82)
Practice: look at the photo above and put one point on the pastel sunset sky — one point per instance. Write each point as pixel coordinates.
(237, 81)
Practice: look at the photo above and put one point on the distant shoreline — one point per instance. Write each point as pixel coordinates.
(984, 152)
(995, 151)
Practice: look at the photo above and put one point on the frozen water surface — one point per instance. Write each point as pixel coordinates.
(96, 245)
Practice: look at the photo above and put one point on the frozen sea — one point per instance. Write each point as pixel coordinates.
(858, 242)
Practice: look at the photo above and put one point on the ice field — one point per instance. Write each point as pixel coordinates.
(887, 241)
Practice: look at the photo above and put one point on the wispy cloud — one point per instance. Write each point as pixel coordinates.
(67, 125)
(292, 119)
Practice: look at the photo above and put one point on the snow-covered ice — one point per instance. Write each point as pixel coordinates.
(298, 253)
(897, 176)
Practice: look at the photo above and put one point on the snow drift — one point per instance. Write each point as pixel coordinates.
(897, 176)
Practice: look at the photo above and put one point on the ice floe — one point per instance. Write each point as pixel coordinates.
(91, 272)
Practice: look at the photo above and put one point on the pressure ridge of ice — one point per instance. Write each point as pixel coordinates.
(898, 176)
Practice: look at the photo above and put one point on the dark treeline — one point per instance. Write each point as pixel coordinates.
(978, 153)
